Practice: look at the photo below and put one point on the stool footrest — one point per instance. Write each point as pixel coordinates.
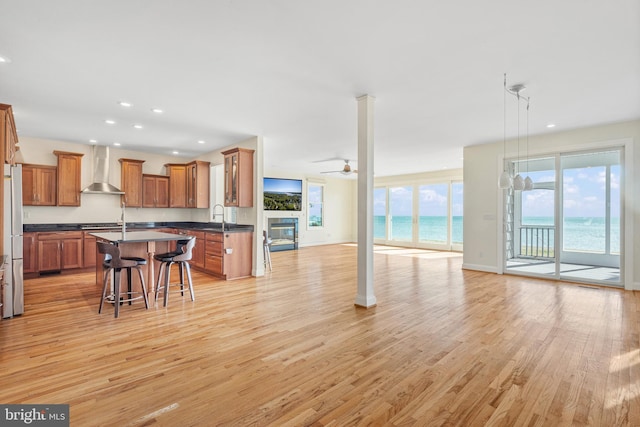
(111, 299)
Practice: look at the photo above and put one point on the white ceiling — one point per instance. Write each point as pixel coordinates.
(290, 70)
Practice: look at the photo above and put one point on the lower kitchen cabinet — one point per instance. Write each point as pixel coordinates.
(59, 251)
(225, 255)
(228, 255)
(88, 250)
(214, 247)
(197, 255)
(30, 253)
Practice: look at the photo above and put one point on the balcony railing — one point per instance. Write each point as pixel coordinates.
(537, 241)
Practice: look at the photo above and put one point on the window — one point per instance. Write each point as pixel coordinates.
(433, 211)
(424, 215)
(457, 200)
(315, 199)
(380, 213)
(401, 213)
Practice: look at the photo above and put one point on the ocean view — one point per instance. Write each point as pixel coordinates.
(431, 228)
(580, 233)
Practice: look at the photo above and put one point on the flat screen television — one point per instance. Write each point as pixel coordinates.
(282, 194)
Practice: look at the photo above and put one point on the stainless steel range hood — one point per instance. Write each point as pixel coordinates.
(101, 173)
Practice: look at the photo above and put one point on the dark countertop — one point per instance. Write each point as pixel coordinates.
(137, 236)
(138, 226)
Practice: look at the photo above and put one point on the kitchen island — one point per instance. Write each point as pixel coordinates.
(143, 244)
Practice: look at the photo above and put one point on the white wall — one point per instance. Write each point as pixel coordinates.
(99, 207)
(482, 198)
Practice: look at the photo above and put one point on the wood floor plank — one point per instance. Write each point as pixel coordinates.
(444, 346)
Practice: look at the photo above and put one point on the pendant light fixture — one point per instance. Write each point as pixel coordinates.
(528, 182)
(505, 180)
(518, 183)
(518, 180)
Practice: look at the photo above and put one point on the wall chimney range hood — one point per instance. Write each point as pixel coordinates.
(101, 173)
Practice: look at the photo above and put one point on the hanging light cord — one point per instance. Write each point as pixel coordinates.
(504, 122)
(528, 99)
(518, 96)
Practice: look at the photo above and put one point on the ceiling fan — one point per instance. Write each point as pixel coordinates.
(346, 170)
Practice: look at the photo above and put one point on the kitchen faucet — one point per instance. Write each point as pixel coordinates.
(214, 214)
(124, 223)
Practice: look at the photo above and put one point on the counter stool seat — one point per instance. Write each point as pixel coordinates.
(181, 256)
(113, 261)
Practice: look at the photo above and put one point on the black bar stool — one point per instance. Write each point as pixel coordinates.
(180, 256)
(113, 261)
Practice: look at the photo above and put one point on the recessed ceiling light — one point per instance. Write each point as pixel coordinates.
(137, 126)
(201, 142)
(93, 141)
(4, 59)
(125, 104)
(117, 144)
(110, 122)
(157, 110)
(175, 152)
(551, 125)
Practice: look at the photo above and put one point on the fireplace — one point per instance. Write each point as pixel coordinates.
(283, 233)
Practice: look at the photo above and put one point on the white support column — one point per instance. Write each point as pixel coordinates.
(365, 296)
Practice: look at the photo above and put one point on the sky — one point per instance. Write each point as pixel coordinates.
(433, 200)
(277, 185)
(584, 196)
(584, 193)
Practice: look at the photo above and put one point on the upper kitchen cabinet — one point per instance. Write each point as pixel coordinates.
(39, 185)
(69, 175)
(8, 134)
(238, 177)
(155, 191)
(131, 182)
(177, 185)
(198, 184)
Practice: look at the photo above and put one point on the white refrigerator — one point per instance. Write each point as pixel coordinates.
(13, 289)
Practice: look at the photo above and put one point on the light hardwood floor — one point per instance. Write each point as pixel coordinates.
(444, 346)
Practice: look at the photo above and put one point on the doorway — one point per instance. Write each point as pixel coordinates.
(569, 226)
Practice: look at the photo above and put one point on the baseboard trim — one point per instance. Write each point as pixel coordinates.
(479, 267)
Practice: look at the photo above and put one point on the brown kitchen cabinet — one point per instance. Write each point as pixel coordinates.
(8, 133)
(59, 250)
(177, 185)
(29, 253)
(228, 255)
(39, 184)
(69, 176)
(89, 249)
(155, 191)
(131, 182)
(198, 252)
(198, 184)
(238, 177)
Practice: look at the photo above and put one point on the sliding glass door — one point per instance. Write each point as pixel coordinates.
(433, 211)
(421, 215)
(591, 216)
(569, 225)
(401, 214)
